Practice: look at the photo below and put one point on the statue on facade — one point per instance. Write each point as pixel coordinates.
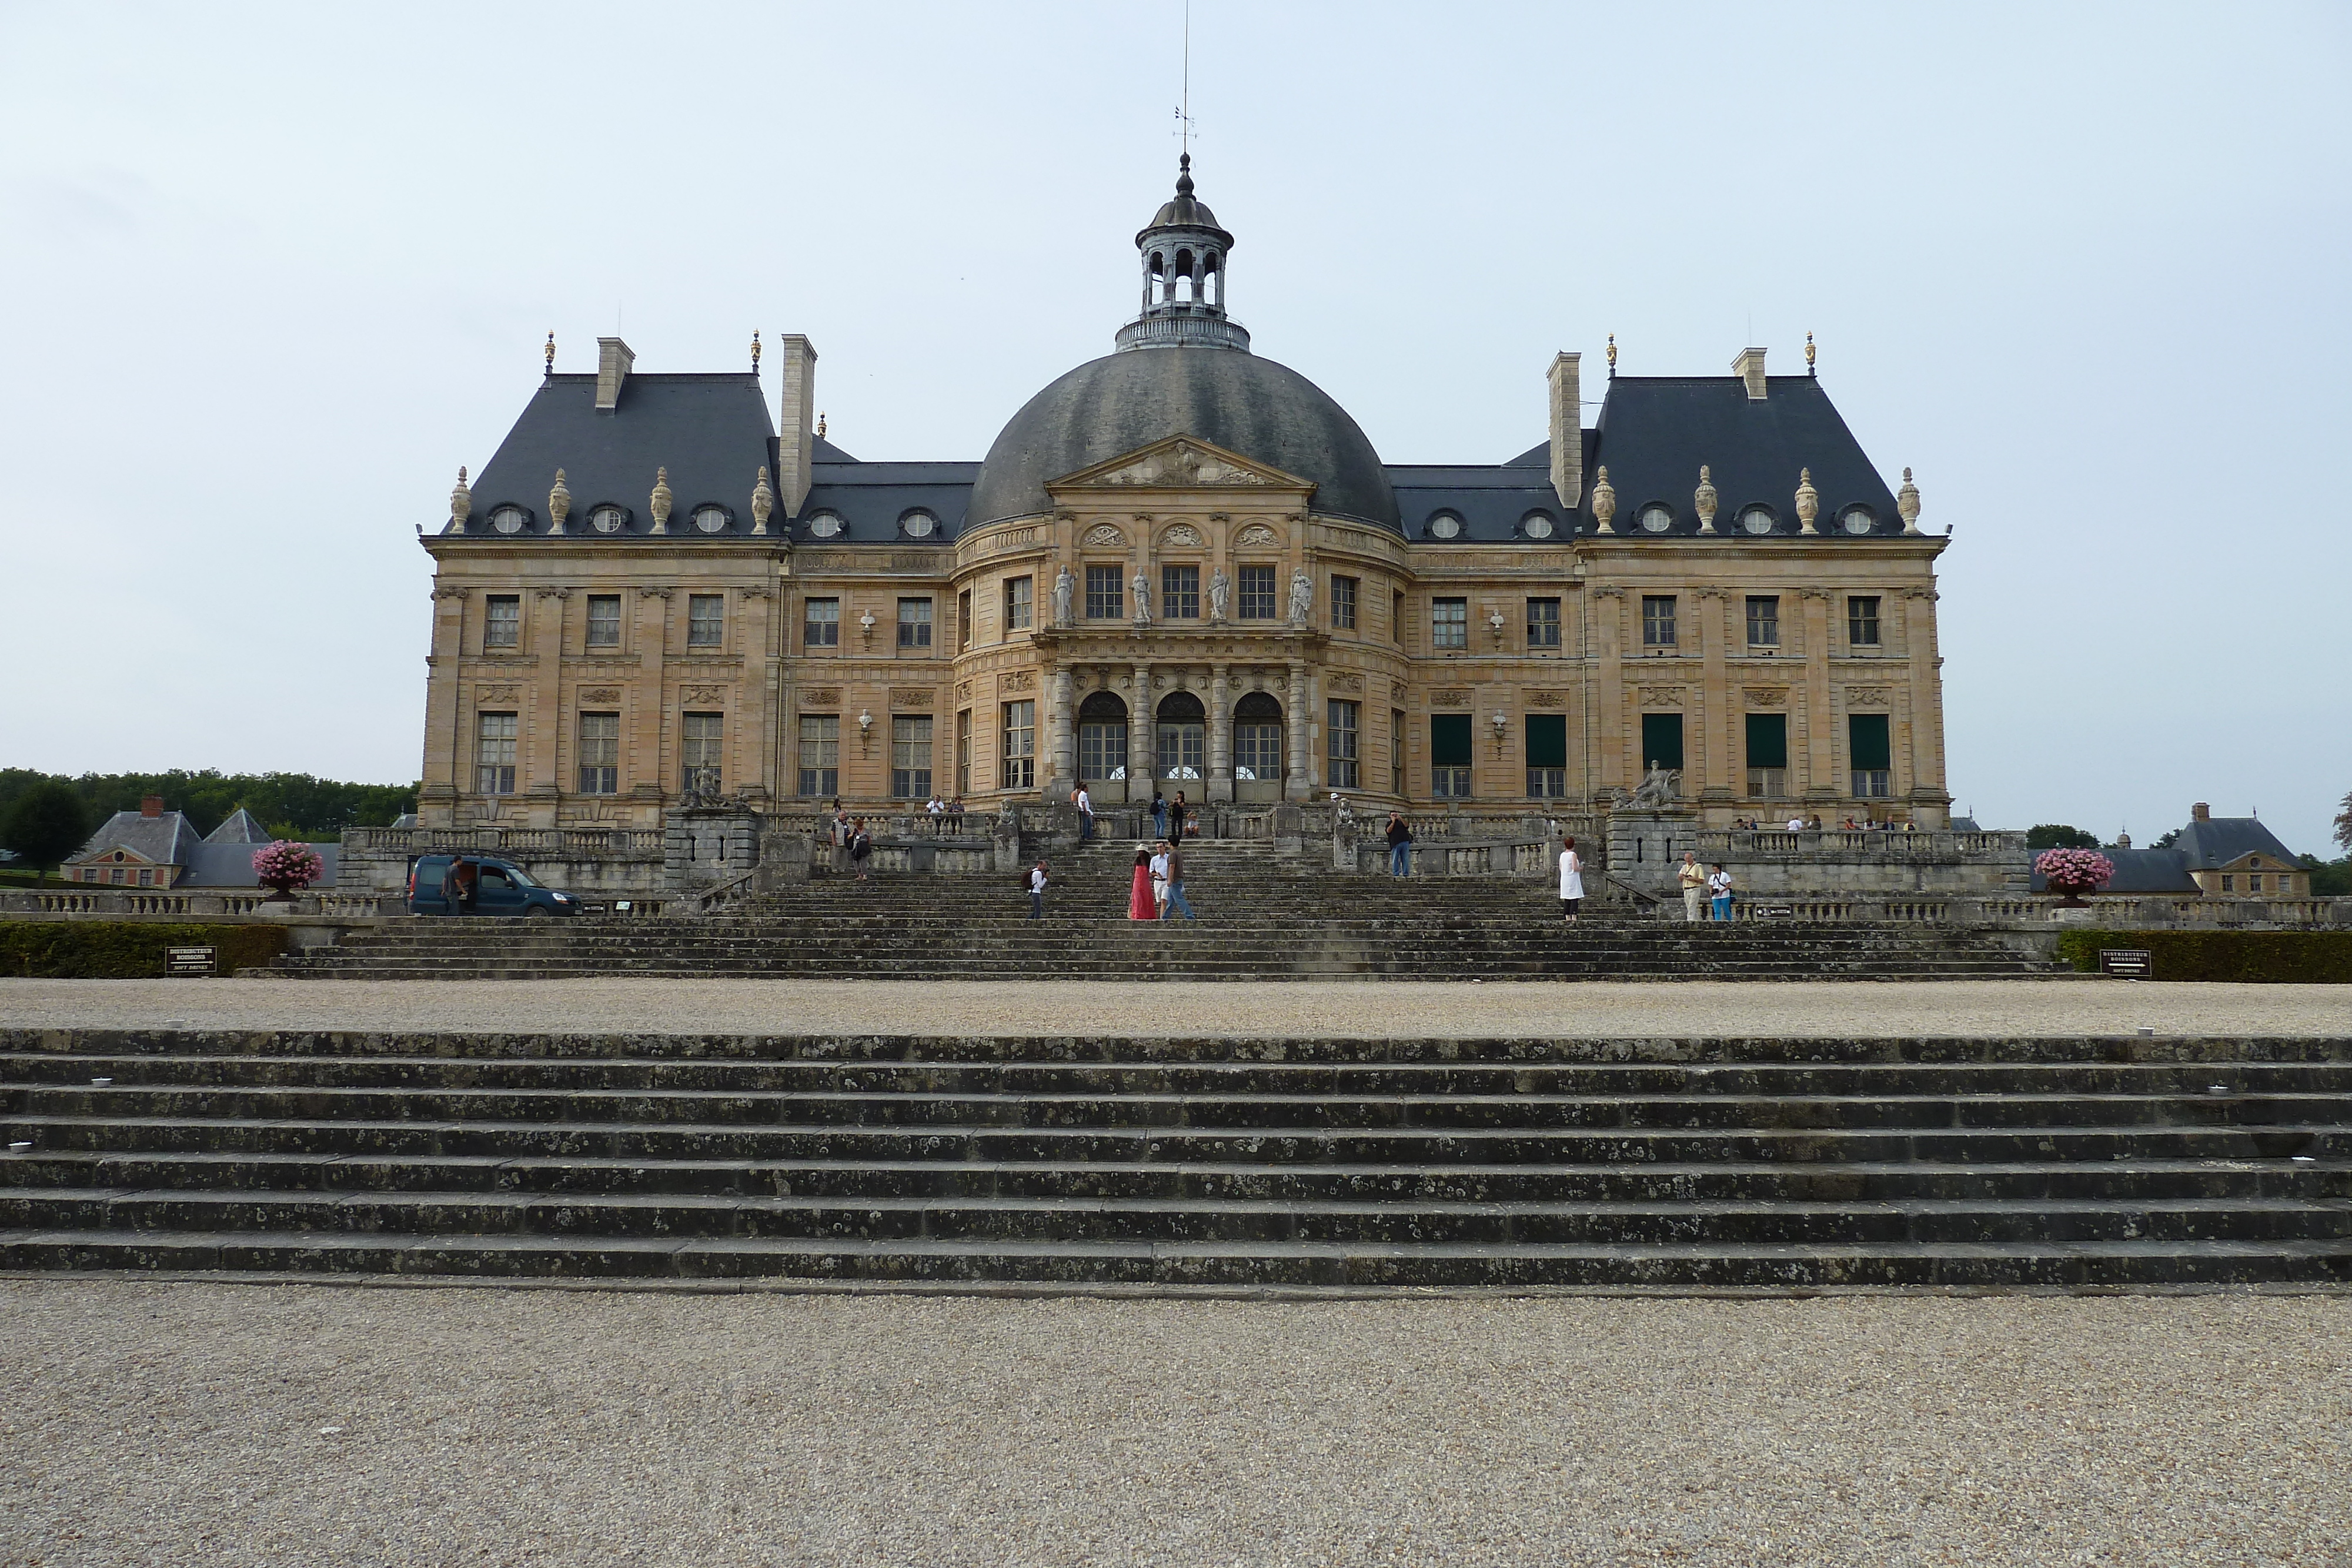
(1302, 596)
(1659, 790)
(1141, 587)
(1064, 586)
(1221, 590)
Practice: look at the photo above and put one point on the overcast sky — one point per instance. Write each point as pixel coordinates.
(270, 276)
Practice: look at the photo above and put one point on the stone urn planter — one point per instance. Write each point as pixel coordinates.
(2071, 873)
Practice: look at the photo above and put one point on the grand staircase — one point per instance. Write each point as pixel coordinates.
(1237, 1164)
(1262, 916)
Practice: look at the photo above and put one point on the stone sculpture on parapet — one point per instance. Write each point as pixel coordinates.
(1659, 790)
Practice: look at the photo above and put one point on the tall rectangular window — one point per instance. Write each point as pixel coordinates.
(1396, 617)
(1256, 593)
(599, 754)
(964, 619)
(820, 761)
(1871, 754)
(604, 620)
(911, 757)
(821, 624)
(1547, 755)
(1020, 753)
(504, 627)
(1102, 748)
(914, 622)
(701, 762)
(1543, 623)
(1862, 621)
(1343, 604)
(1449, 756)
(1763, 619)
(1662, 741)
(705, 619)
(1396, 751)
(1657, 621)
(1449, 624)
(1017, 604)
(1341, 732)
(1105, 592)
(964, 754)
(1767, 755)
(1180, 593)
(494, 753)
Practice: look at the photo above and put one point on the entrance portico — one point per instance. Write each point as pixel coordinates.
(1220, 717)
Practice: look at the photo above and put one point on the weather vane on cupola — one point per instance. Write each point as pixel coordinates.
(1184, 103)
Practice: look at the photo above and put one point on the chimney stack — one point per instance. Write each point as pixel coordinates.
(612, 362)
(1568, 430)
(1749, 368)
(150, 805)
(2201, 812)
(796, 423)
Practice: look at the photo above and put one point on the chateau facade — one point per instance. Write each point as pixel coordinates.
(1181, 563)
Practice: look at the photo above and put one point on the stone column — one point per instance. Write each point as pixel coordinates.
(1300, 783)
(1715, 706)
(1141, 760)
(1220, 736)
(1064, 740)
(1820, 782)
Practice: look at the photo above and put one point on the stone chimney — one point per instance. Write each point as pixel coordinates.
(612, 362)
(2201, 812)
(150, 805)
(1749, 368)
(1567, 429)
(796, 423)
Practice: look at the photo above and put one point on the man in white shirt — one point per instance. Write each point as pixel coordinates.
(1038, 892)
(1719, 893)
(1160, 881)
(1796, 824)
(1085, 813)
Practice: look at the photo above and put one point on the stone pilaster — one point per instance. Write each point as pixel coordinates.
(1717, 617)
(443, 745)
(1821, 781)
(1608, 613)
(1139, 718)
(542, 722)
(1220, 735)
(1065, 739)
(1300, 784)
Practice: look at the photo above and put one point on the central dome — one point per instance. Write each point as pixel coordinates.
(1231, 397)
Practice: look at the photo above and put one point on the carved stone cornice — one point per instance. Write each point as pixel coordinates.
(451, 591)
(1608, 591)
(652, 592)
(554, 592)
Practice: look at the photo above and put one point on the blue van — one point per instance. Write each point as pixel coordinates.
(500, 887)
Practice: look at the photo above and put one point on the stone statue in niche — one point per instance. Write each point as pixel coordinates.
(1141, 587)
(1220, 589)
(1064, 586)
(1302, 597)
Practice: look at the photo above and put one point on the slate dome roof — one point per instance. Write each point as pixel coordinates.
(1230, 397)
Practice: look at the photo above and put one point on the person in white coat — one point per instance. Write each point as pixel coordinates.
(1571, 880)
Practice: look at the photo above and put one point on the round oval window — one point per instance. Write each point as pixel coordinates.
(507, 520)
(710, 519)
(825, 524)
(1656, 519)
(1536, 526)
(918, 525)
(1446, 526)
(1858, 520)
(606, 519)
(1756, 520)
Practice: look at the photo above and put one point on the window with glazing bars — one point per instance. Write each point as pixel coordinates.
(504, 627)
(604, 620)
(599, 754)
(1343, 604)
(1017, 607)
(1105, 592)
(1020, 755)
(1256, 588)
(820, 761)
(1547, 755)
(1449, 624)
(964, 754)
(1657, 621)
(700, 759)
(1180, 593)
(705, 617)
(494, 753)
(911, 757)
(1543, 622)
(1341, 732)
(1862, 621)
(1449, 756)
(914, 622)
(1763, 619)
(821, 624)
(963, 618)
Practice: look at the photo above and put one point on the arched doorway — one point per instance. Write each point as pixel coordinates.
(1258, 749)
(1102, 745)
(1183, 744)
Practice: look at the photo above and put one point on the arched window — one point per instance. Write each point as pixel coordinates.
(1257, 738)
(1102, 737)
(1183, 736)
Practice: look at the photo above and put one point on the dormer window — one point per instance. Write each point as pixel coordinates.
(1657, 518)
(1444, 526)
(1536, 526)
(712, 519)
(1756, 521)
(1857, 520)
(510, 519)
(609, 519)
(917, 524)
(825, 524)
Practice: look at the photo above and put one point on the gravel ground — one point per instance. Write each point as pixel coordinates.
(157, 1424)
(1293, 1009)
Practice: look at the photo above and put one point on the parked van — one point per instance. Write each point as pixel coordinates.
(500, 887)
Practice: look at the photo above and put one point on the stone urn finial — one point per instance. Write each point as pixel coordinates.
(1604, 500)
(1705, 499)
(661, 499)
(559, 505)
(1809, 502)
(461, 505)
(764, 494)
(1907, 503)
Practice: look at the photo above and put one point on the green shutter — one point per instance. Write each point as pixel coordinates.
(1662, 741)
(1865, 735)
(1768, 740)
(1547, 741)
(1449, 740)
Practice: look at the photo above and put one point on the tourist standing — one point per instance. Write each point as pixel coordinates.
(1037, 891)
(1085, 814)
(1139, 892)
(1160, 880)
(1718, 892)
(1177, 810)
(1571, 879)
(840, 837)
(1694, 883)
(861, 847)
(1175, 882)
(1400, 839)
(1158, 814)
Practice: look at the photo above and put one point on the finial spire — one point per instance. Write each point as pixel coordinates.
(1809, 355)
(551, 355)
(1613, 353)
(820, 424)
(755, 351)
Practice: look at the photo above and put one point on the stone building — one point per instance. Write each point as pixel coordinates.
(154, 848)
(1182, 562)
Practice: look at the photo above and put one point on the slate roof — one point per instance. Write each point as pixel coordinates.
(2210, 845)
(231, 865)
(238, 828)
(870, 497)
(167, 840)
(2142, 872)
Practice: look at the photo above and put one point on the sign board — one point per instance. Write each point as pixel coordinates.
(1771, 912)
(191, 960)
(2129, 963)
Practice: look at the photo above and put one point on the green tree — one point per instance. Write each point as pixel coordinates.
(46, 822)
(2059, 836)
(2344, 824)
(2329, 879)
(2171, 836)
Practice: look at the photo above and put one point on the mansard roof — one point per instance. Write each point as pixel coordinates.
(2224, 840)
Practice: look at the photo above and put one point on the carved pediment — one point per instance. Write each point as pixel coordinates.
(1256, 535)
(1104, 537)
(1181, 463)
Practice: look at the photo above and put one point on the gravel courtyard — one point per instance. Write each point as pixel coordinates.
(166, 1424)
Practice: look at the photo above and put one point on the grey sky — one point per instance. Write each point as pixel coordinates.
(272, 275)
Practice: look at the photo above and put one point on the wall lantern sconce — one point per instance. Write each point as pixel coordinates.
(865, 724)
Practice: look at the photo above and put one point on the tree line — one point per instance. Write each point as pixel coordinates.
(42, 809)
